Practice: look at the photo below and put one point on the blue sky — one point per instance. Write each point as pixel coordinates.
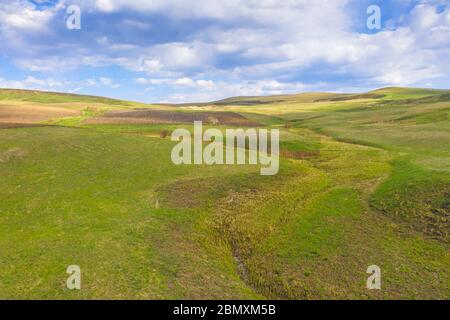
(184, 50)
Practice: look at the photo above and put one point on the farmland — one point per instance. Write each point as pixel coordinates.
(364, 180)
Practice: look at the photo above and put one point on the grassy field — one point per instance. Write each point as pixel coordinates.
(364, 180)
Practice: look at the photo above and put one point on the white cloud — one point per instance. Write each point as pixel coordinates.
(106, 81)
(184, 82)
(246, 43)
(142, 80)
(206, 84)
(21, 15)
(136, 24)
(122, 47)
(145, 81)
(208, 90)
(31, 82)
(51, 84)
(106, 5)
(90, 82)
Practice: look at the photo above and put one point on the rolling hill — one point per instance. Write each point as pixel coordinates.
(364, 180)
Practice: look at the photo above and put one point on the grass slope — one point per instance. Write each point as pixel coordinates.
(364, 180)
(54, 97)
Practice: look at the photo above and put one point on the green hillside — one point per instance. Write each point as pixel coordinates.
(364, 180)
(53, 97)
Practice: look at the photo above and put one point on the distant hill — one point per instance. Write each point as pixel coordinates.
(300, 97)
(389, 93)
(309, 97)
(54, 97)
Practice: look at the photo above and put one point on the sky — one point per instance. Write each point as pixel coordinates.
(204, 50)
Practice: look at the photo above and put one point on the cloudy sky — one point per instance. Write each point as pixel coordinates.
(185, 50)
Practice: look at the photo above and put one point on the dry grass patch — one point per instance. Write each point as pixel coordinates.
(140, 116)
(10, 154)
(32, 113)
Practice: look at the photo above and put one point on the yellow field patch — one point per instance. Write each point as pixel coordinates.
(33, 113)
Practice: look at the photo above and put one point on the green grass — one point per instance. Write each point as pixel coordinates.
(77, 121)
(312, 234)
(52, 97)
(374, 189)
(84, 197)
(416, 197)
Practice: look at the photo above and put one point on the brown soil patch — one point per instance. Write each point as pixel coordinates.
(5, 125)
(10, 154)
(299, 155)
(28, 114)
(140, 116)
(192, 193)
